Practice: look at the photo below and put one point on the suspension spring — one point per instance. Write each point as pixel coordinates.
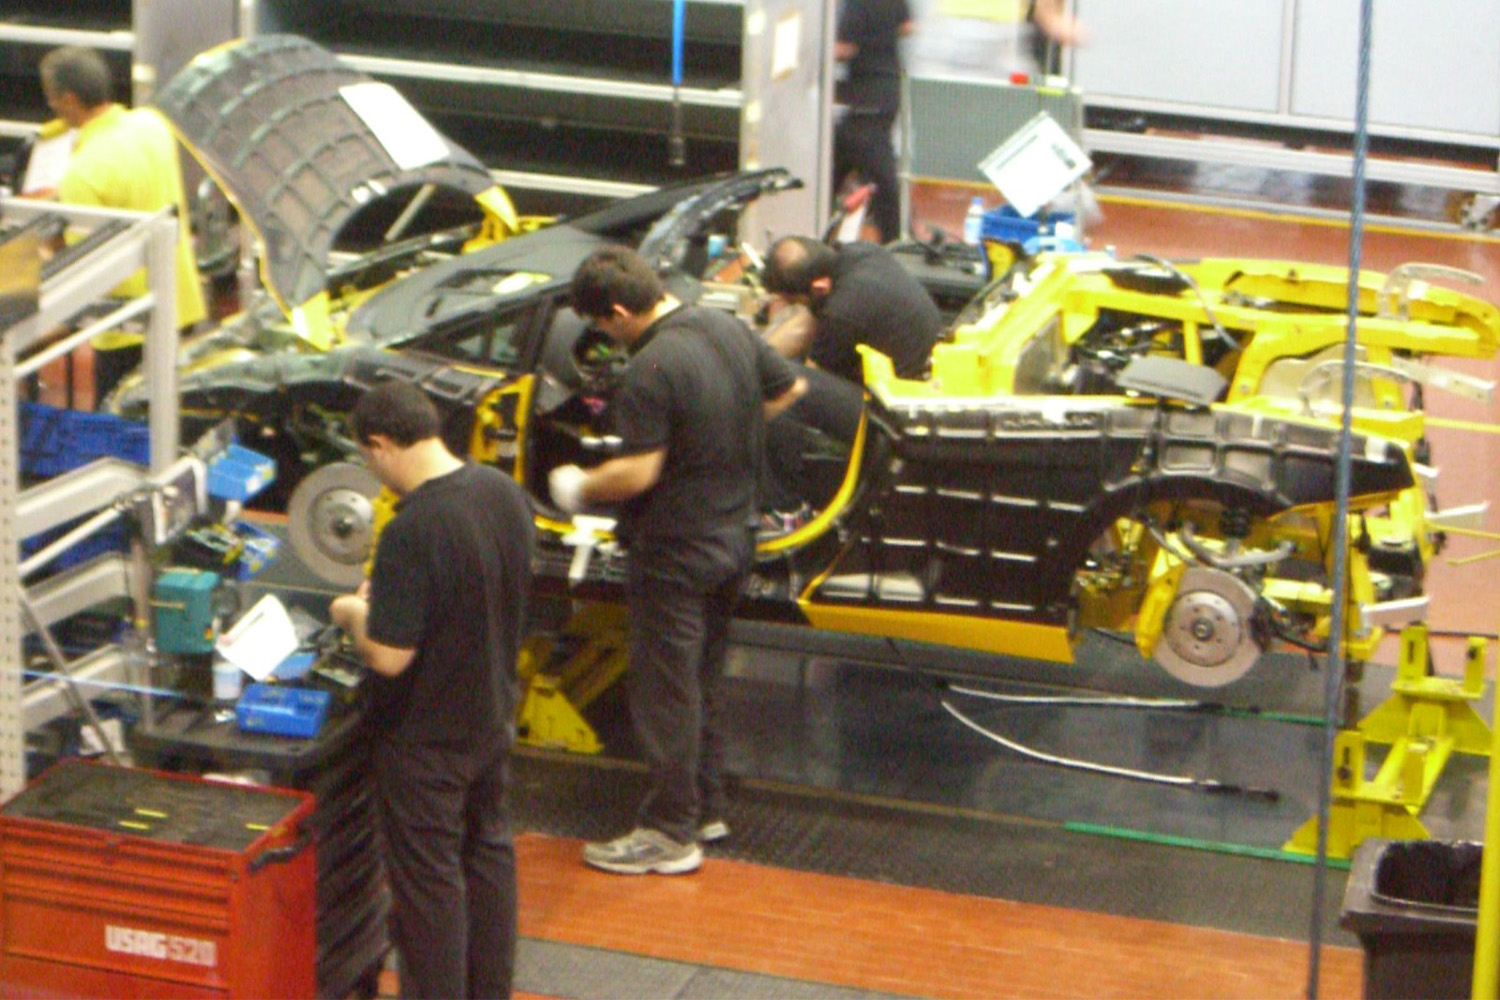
(1235, 522)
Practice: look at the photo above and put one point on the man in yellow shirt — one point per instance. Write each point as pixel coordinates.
(127, 159)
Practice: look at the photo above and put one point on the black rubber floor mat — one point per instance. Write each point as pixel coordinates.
(854, 728)
(935, 847)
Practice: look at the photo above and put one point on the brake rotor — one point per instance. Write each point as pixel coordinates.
(1208, 636)
(330, 521)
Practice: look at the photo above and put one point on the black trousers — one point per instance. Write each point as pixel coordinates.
(679, 638)
(832, 405)
(451, 865)
(862, 143)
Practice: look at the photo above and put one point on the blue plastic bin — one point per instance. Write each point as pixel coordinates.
(1005, 224)
(107, 539)
(296, 666)
(239, 473)
(259, 552)
(281, 710)
(55, 440)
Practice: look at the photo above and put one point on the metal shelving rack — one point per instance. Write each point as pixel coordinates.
(573, 92)
(1285, 69)
(580, 104)
(149, 241)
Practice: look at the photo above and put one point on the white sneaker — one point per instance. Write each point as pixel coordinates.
(643, 851)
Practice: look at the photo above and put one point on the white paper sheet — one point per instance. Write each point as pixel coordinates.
(261, 639)
(1033, 166)
(47, 163)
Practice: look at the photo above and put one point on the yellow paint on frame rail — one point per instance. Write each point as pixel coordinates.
(1463, 425)
(987, 635)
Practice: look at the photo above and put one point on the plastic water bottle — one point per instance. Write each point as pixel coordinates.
(228, 680)
(974, 221)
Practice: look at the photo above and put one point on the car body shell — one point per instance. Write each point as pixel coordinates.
(1037, 484)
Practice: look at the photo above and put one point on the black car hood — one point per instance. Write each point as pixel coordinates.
(409, 308)
(662, 225)
(273, 120)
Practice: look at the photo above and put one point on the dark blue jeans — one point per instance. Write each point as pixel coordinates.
(832, 405)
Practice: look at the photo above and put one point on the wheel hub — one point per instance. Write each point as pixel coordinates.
(330, 521)
(1208, 636)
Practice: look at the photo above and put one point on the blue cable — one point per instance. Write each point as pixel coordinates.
(48, 675)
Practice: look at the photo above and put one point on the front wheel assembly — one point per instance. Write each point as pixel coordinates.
(1210, 635)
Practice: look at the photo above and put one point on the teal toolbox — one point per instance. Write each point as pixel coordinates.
(184, 604)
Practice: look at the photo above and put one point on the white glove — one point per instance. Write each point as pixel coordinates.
(566, 485)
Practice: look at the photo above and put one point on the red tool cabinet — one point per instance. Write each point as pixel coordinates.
(120, 882)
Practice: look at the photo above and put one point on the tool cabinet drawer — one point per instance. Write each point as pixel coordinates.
(120, 882)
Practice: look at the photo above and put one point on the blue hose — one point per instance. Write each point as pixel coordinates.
(679, 10)
(676, 145)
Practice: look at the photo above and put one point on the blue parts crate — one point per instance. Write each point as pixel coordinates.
(259, 551)
(281, 710)
(54, 440)
(296, 666)
(1045, 231)
(238, 473)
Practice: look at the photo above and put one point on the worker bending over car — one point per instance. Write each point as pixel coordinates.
(857, 293)
(854, 294)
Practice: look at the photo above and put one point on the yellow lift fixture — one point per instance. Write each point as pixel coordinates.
(1425, 721)
(556, 690)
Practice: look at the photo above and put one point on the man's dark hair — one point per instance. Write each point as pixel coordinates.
(615, 276)
(795, 262)
(397, 410)
(81, 72)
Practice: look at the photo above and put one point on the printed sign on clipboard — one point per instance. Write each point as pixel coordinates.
(1034, 166)
(261, 639)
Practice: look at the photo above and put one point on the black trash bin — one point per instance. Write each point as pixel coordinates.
(1414, 905)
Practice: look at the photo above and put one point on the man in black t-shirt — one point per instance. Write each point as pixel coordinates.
(690, 413)
(439, 623)
(856, 294)
(870, 94)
